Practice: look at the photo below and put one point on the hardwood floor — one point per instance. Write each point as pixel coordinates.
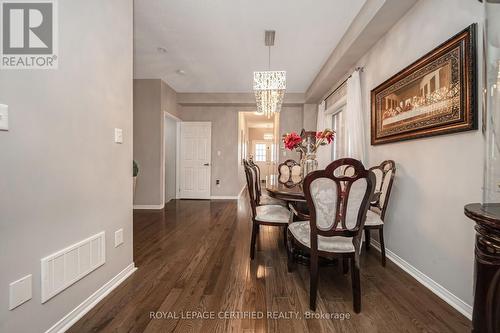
(193, 258)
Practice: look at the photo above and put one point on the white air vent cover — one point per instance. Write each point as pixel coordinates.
(65, 267)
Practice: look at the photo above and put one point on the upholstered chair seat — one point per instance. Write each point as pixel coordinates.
(301, 231)
(273, 214)
(373, 219)
(267, 200)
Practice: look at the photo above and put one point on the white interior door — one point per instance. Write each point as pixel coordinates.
(195, 160)
(263, 156)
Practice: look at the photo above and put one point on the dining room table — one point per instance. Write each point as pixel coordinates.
(284, 187)
(290, 188)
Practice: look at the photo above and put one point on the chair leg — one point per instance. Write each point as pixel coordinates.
(356, 285)
(255, 228)
(345, 265)
(313, 287)
(290, 253)
(382, 245)
(367, 239)
(285, 229)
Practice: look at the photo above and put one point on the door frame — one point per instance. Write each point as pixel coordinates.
(166, 114)
(269, 162)
(178, 158)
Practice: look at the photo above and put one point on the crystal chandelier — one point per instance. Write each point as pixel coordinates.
(269, 86)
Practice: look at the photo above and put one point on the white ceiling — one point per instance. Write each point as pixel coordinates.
(219, 43)
(254, 120)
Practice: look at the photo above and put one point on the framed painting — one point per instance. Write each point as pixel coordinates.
(434, 95)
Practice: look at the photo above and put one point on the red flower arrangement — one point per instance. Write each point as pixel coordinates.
(294, 141)
(327, 135)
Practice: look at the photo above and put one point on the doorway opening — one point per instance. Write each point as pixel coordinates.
(259, 141)
(170, 137)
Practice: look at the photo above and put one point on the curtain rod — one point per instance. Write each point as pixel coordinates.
(343, 82)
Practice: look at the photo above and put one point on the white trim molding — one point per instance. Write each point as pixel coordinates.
(242, 192)
(229, 197)
(74, 315)
(157, 207)
(427, 282)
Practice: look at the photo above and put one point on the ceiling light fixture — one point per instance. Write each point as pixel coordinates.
(181, 72)
(269, 86)
(161, 50)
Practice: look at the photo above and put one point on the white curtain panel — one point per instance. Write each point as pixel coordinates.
(324, 154)
(355, 129)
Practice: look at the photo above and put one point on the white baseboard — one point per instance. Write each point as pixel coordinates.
(427, 282)
(241, 192)
(228, 197)
(223, 197)
(74, 315)
(149, 206)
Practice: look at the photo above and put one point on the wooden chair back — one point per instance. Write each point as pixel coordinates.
(384, 173)
(251, 176)
(338, 203)
(288, 169)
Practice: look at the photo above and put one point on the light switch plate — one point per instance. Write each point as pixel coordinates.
(118, 237)
(118, 135)
(20, 292)
(4, 117)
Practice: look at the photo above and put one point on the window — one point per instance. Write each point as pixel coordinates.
(260, 152)
(339, 146)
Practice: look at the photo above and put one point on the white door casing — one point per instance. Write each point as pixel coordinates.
(195, 160)
(265, 166)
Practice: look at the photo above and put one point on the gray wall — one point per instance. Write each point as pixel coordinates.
(63, 177)
(169, 100)
(258, 134)
(152, 98)
(170, 139)
(148, 136)
(225, 136)
(310, 117)
(291, 120)
(224, 139)
(436, 176)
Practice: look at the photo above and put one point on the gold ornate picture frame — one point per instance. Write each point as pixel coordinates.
(435, 95)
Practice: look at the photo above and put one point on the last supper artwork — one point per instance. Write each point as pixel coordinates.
(435, 95)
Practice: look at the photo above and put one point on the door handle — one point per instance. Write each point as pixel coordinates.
(206, 164)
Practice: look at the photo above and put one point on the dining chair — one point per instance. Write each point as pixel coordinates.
(375, 216)
(263, 198)
(288, 169)
(270, 215)
(337, 205)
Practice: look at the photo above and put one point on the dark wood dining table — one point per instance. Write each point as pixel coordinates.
(291, 188)
(285, 188)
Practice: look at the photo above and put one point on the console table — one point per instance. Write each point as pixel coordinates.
(486, 313)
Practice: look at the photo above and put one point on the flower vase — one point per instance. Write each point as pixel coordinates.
(308, 164)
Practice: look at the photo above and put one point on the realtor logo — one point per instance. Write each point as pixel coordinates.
(29, 34)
